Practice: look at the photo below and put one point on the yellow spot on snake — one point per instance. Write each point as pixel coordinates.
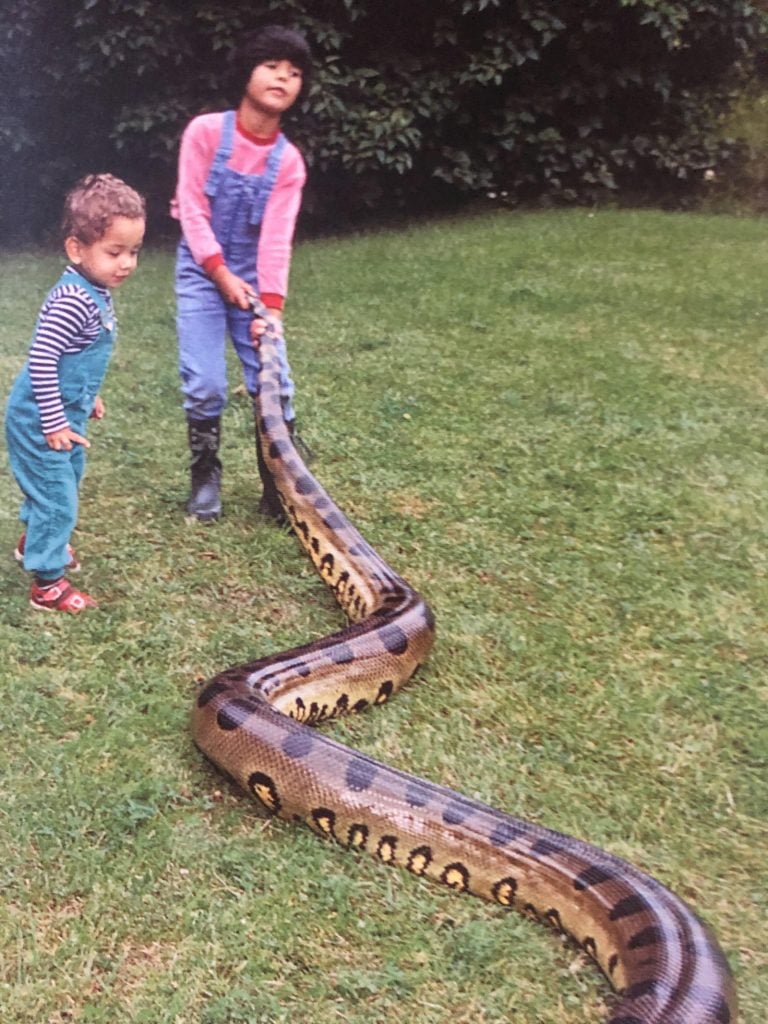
(266, 796)
(358, 836)
(504, 893)
(418, 863)
(324, 820)
(386, 849)
(265, 791)
(456, 877)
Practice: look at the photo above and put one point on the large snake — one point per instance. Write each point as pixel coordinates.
(252, 722)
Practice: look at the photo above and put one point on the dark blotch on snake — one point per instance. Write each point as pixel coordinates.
(647, 937)
(456, 812)
(505, 833)
(590, 877)
(650, 986)
(305, 484)
(722, 1012)
(361, 548)
(335, 521)
(627, 907)
(546, 847)
(417, 795)
(298, 744)
(279, 448)
(360, 774)
(342, 654)
(394, 639)
(234, 713)
(210, 691)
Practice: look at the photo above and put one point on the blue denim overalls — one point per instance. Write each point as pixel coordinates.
(50, 479)
(237, 209)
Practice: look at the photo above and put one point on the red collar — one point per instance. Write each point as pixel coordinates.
(259, 140)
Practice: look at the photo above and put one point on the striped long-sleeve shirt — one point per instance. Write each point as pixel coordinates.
(69, 321)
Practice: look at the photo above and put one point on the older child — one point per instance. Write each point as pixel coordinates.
(56, 392)
(238, 196)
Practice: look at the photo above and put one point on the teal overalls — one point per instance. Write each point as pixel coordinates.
(237, 203)
(50, 479)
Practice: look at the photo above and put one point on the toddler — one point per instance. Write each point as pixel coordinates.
(57, 390)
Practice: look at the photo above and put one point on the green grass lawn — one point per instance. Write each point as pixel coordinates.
(554, 424)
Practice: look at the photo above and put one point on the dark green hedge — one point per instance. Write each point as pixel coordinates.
(416, 103)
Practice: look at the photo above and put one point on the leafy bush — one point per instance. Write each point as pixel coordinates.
(413, 104)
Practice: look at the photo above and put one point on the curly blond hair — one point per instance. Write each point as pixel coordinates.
(93, 203)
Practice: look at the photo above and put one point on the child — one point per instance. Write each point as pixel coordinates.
(57, 390)
(237, 198)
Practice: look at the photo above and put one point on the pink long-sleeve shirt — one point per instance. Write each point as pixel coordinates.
(191, 206)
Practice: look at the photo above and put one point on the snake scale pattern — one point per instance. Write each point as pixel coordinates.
(253, 722)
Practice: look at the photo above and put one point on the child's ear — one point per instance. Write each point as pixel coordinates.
(73, 248)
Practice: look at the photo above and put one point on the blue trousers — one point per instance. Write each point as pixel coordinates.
(50, 481)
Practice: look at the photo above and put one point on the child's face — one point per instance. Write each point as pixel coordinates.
(274, 86)
(112, 258)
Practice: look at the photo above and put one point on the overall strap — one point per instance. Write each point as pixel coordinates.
(269, 178)
(101, 301)
(223, 153)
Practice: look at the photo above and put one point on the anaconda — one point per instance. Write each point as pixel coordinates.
(254, 721)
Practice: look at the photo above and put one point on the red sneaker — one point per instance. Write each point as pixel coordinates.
(60, 596)
(72, 566)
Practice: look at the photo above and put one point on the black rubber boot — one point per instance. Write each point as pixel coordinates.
(205, 469)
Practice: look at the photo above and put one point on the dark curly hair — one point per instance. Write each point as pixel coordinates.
(94, 202)
(272, 42)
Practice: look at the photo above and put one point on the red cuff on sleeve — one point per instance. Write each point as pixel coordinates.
(272, 301)
(212, 263)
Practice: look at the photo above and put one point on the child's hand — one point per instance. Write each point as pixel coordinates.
(97, 412)
(260, 324)
(258, 327)
(233, 289)
(62, 440)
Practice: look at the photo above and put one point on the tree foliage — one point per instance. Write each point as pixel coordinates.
(413, 104)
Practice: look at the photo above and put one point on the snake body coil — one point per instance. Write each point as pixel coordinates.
(252, 721)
